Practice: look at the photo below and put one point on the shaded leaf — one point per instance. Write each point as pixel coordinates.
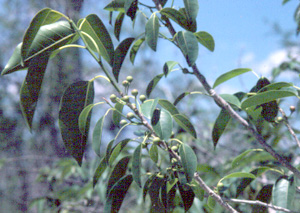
(187, 195)
(151, 31)
(99, 171)
(220, 126)
(130, 8)
(117, 150)
(76, 97)
(188, 44)
(116, 115)
(109, 150)
(118, 25)
(232, 99)
(275, 86)
(168, 66)
(206, 40)
(154, 189)
(184, 123)
(238, 175)
(120, 54)
(198, 191)
(163, 128)
(167, 196)
(229, 75)
(211, 202)
(116, 5)
(237, 160)
(284, 192)
(168, 106)
(191, 7)
(188, 160)
(85, 116)
(270, 111)
(97, 135)
(153, 153)
(264, 195)
(153, 84)
(148, 107)
(180, 97)
(136, 165)
(147, 185)
(118, 172)
(134, 49)
(117, 194)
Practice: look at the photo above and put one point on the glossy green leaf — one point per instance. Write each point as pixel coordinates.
(130, 8)
(188, 160)
(229, 75)
(148, 107)
(116, 115)
(153, 153)
(151, 31)
(135, 48)
(184, 123)
(97, 135)
(232, 99)
(99, 171)
(238, 175)
(94, 27)
(31, 87)
(117, 150)
(76, 97)
(168, 66)
(84, 117)
(198, 191)
(188, 44)
(118, 172)
(168, 106)
(43, 17)
(120, 54)
(206, 40)
(163, 128)
(191, 7)
(284, 192)
(265, 97)
(49, 38)
(117, 194)
(116, 5)
(187, 195)
(136, 165)
(275, 86)
(236, 161)
(118, 25)
(220, 125)
(152, 84)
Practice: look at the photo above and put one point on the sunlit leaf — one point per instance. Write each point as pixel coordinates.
(120, 54)
(229, 75)
(232, 99)
(85, 116)
(76, 97)
(151, 31)
(238, 175)
(116, 5)
(171, 183)
(188, 160)
(153, 153)
(136, 165)
(206, 40)
(116, 115)
(97, 135)
(188, 44)
(184, 123)
(163, 128)
(198, 191)
(118, 25)
(236, 161)
(108, 151)
(220, 125)
(135, 48)
(191, 7)
(117, 150)
(168, 106)
(284, 192)
(168, 66)
(148, 107)
(275, 86)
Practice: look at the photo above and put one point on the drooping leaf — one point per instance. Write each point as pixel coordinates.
(99, 171)
(188, 160)
(184, 123)
(118, 25)
(116, 5)
(31, 87)
(116, 113)
(229, 75)
(189, 46)
(191, 7)
(147, 185)
(136, 165)
(264, 195)
(238, 175)
(119, 56)
(97, 135)
(117, 194)
(206, 40)
(236, 161)
(284, 190)
(117, 150)
(151, 31)
(265, 97)
(168, 106)
(168, 196)
(130, 8)
(154, 189)
(163, 128)
(94, 27)
(118, 172)
(187, 195)
(153, 84)
(180, 97)
(43, 17)
(148, 107)
(153, 153)
(76, 97)
(85, 116)
(168, 66)
(109, 150)
(135, 48)
(220, 125)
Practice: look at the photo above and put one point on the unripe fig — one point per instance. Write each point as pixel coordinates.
(123, 122)
(134, 92)
(113, 98)
(130, 115)
(142, 98)
(129, 79)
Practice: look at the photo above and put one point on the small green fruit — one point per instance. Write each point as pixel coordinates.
(292, 109)
(130, 115)
(113, 98)
(174, 148)
(125, 83)
(125, 98)
(156, 140)
(279, 119)
(123, 122)
(174, 160)
(142, 98)
(134, 92)
(129, 79)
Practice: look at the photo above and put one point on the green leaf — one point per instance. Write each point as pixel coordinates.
(49, 38)
(180, 97)
(198, 191)
(275, 86)
(211, 202)
(94, 27)
(134, 49)
(130, 8)
(184, 123)
(118, 172)
(154, 191)
(191, 7)
(147, 185)
(153, 84)
(284, 192)
(232, 99)
(117, 150)
(189, 46)
(188, 160)
(171, 183)
(236, 161)
(117, 194)
(99, 171)
(148, 107)
(136, 165)
(97, 135)
(265, 97)
(187, 195)
(76, 97)
(238, 175)
(229, 75)
(109, 150)
(220, 126)
(85, 116)
(116, 5)
(264, 195)
(120, 54)
(118, 25)
(163, 128)
(116, 115)
(43, 17)
(31, 87)
(206, 40)
(168, 66)
(151, 31)
(153, 153)
(168, 106)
